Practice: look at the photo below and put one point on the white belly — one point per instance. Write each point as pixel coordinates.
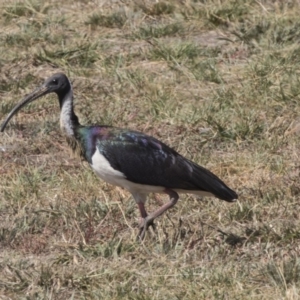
(105, 171)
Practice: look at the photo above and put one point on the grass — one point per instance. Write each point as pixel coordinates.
(216, 80)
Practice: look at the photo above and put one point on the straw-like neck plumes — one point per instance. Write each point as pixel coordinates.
(68, 119)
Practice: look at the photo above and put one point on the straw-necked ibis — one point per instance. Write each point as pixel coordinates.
(129, 159)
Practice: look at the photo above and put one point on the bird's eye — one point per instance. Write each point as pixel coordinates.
(55, 81)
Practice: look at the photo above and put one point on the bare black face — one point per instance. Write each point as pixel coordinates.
(57, 83)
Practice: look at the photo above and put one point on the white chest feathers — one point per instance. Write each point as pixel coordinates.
(105, 171)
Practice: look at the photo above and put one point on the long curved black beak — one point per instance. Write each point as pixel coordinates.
(39, 92)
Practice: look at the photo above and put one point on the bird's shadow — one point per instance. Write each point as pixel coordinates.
(233, 239)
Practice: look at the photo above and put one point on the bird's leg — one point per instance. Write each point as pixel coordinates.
(148, 220)
(140, 199)
(144, 225)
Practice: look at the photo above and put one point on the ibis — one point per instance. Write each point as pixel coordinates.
(130, 159)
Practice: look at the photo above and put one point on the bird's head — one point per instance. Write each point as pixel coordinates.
(57, 83)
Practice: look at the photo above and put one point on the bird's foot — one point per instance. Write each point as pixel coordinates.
(144, 225)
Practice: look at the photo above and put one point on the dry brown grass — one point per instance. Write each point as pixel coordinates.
(218, 81)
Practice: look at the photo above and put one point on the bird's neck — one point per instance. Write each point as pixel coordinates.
(68, 119)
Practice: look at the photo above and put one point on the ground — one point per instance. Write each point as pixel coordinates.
(218, 80)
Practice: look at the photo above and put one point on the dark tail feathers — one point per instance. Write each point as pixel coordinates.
(207, 181)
